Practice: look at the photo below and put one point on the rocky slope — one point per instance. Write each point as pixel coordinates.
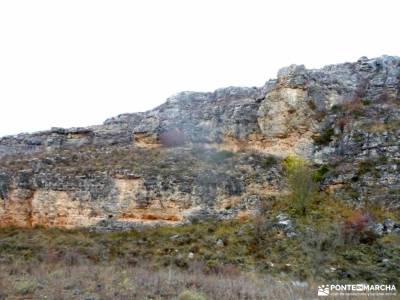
(213, 155)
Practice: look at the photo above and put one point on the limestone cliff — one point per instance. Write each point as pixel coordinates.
(212, 155)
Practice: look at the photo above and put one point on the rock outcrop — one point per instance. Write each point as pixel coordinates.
(212, 155)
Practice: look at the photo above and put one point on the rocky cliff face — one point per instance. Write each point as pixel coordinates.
(212, 155)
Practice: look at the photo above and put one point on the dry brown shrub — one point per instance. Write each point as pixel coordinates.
(356, 228)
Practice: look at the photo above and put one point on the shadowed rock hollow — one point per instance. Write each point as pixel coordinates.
(212, 155)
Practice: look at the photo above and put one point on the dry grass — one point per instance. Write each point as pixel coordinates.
(116, 281)
(186, 263)
(59, 281)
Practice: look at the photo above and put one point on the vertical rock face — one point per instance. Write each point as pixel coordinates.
(167, 165)
(286, 121)
(17, 208)
(110, 188)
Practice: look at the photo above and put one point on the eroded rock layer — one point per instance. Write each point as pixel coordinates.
(212, 155)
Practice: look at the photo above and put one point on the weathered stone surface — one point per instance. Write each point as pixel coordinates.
(60, 138)
(120, 175)
(65, 188)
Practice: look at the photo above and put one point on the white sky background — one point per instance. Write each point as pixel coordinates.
(78, 62)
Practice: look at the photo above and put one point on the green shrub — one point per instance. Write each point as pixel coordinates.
(303, 189)
(320, 173)
(268, 162)
(312, 105)
(292, 163)
(336, 108)
(366, 102)
(325, 137)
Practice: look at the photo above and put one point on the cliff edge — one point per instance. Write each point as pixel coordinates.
(213, 155)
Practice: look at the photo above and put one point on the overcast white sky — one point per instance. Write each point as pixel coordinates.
(78, 62)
